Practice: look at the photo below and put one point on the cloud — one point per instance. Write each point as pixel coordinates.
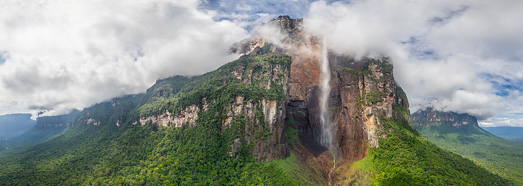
(455, 55)
(442, 50)
(512, 121)
(60, 55)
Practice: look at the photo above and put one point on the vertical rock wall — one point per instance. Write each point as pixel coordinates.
(362, 90)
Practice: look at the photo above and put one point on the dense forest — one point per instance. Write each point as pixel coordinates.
(498, 155)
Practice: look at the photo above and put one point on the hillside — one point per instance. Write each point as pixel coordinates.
(258, 120)
(460, 133)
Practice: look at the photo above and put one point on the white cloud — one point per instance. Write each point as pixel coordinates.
(502, 121)
(71, 54)
(442, 50)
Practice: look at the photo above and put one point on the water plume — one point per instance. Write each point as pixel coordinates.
(326, 126)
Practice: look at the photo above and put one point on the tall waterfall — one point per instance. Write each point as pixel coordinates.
(326, 128)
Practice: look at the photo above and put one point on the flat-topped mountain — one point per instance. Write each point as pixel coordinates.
(431, 117)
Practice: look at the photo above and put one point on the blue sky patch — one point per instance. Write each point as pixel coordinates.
(503, 85)
(3, 55)
(419, 49)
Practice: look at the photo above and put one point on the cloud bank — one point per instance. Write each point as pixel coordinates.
(60, 55)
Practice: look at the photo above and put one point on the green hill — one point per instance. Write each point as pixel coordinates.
(497, 155)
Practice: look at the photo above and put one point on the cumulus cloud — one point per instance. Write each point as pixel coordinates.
(60, 55)
(447, 54)
(510, 121)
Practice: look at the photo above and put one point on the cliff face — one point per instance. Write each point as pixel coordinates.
(431, 117)
(361, 91)
(285, 35)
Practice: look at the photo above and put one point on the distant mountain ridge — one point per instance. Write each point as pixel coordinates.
(461, 134)
(431, 117)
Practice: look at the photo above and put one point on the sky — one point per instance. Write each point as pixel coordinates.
(454, 55)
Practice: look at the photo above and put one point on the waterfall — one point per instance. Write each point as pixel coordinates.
(326, 128)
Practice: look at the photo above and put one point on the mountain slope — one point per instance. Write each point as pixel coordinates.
(460, 133)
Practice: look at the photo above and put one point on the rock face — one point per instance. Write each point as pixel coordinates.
(431, 117)
(362, 90)
(289, 39)
(264, 127)
(263, 118)
(188, 116)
